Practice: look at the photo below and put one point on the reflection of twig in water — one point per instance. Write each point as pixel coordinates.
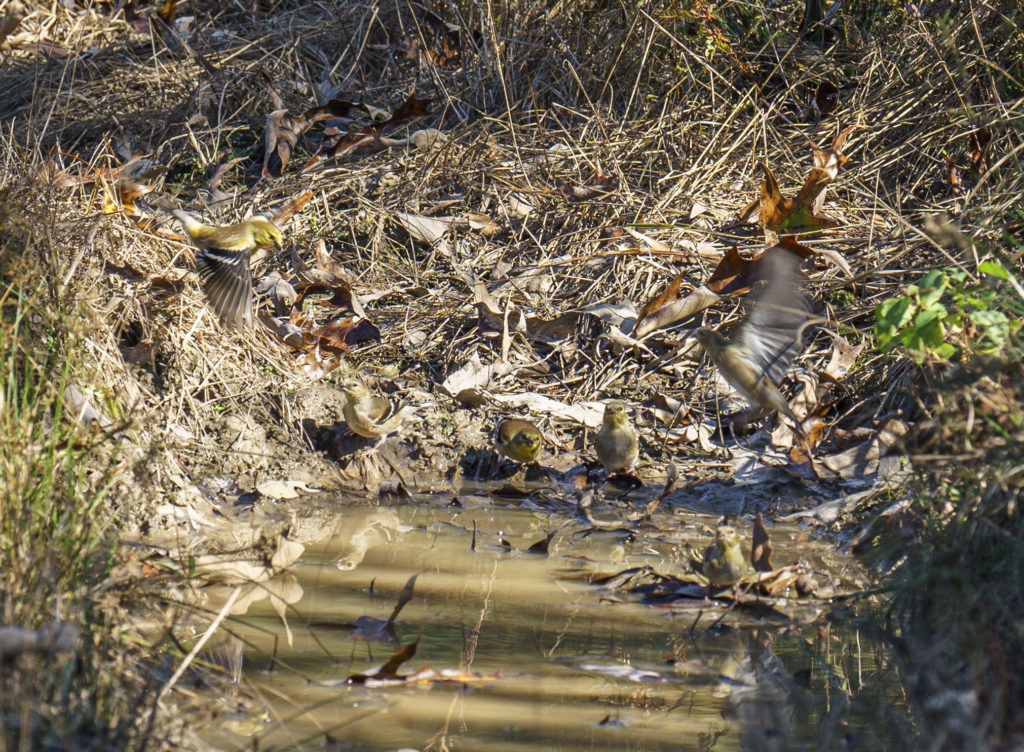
(469, 651)
(440, 736)
(214, 625)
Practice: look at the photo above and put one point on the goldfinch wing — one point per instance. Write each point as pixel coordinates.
(227, 281)
(778, 309)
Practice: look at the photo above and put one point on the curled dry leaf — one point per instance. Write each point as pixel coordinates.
(284, 331)
(342, 334)
(284, 131)
(590, 414)
(390, 669)
(980, 139)
(844, 355)
(601, 184)
(464, 383)
(731, 276)
(826, 97)
(804, 212)
(289, 209)
(956, 182)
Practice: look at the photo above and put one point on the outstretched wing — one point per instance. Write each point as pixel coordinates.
(776, 315)
(227, 281)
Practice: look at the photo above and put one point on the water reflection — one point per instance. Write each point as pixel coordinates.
(559, 663)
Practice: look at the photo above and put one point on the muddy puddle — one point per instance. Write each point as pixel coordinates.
(547, 650)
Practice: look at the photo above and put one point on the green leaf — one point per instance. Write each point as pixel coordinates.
(929, 328)
(896, 312)
(933, 285)
(934, 278)
(993, 269)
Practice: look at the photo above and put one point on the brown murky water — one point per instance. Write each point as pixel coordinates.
(561, 664)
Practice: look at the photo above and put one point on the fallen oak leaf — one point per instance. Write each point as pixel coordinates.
(804, 212)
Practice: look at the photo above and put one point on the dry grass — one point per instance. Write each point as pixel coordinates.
(677, 105)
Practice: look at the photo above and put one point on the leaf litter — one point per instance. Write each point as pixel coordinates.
(547, 217)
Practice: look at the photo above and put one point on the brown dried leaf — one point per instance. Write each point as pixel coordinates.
(677, 310)
(826, 97)
(284, 131)
(733, 275)
(804, 212)
(980, 139)
(367, 140)
(601, 184)
(844, 355)
(341, 334)
(390, 669)
(12, 18)
(289, 209)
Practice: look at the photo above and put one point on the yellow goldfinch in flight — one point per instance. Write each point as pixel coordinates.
(223, 263)
(768, 339)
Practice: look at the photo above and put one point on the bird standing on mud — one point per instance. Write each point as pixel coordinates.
(369, 416)
(223, 263)
(518, 439)
(617, 443)
(723, 561)
(767, 341)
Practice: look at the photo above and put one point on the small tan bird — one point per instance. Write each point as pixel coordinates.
(723, 560)
(768, 340)
(369, 416)
(518, 439)
(223, 263)
(617, 443)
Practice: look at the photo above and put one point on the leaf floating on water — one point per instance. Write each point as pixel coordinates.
(390, 669)
(403, 598)
(761, 546)
(542, 546)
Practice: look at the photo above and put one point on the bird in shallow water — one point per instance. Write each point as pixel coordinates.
(223, 263)
(518, 439)
(617, 443)
(723, 561)
(369, 416)
(767, 341)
